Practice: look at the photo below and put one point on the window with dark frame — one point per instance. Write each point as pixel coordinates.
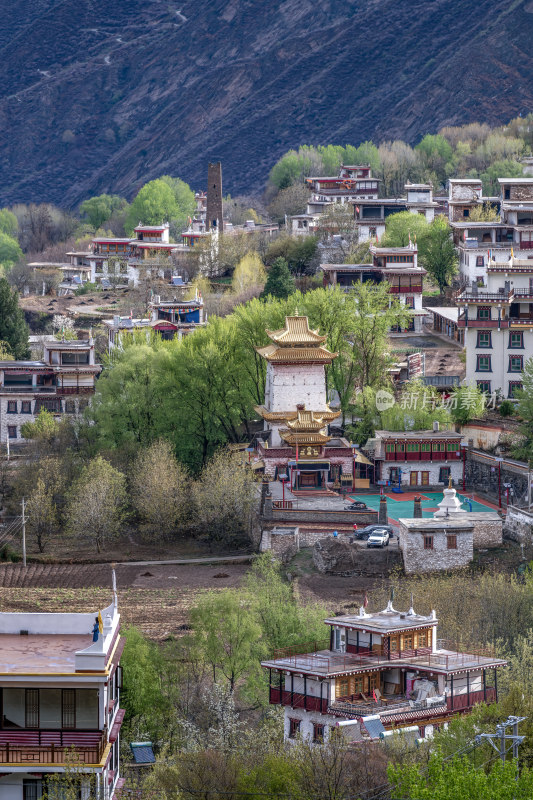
(484, 339)
(294, 728)
(451, 541)
(444, 474)
(514, 386)
(428, 542)
(11, 406)
(32, 789)
(480, 261)
(483, 364)
(516, 340)
(318, 732)
(516, 363)
(25, 407)
(12, 431)
(484, 386)
(483, 312)
(32, 708)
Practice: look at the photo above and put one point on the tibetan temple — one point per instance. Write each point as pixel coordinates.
(296, 440)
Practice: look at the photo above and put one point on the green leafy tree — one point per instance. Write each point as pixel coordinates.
(461, 779)
(468, 402)
(10, 251)
(416, 409)
(280, 282)
(154, 204)
(96, 503)
(100, 209)
(300, 253)
(8, 222)
(228, 636)
(435, 153)
(45, 428)
(13, 329)
(524, 449)
(401, 227)
(438, 254)
(500, 169)
(183, 195)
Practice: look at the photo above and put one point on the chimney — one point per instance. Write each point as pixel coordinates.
(436, 426)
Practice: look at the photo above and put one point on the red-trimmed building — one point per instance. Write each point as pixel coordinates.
(377, 672)
(60, 684)
(417, 458)
(296, 439)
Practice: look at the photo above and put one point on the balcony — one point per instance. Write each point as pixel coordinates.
(44, 747)
(29, 389)
(462, 322)
(405, 289)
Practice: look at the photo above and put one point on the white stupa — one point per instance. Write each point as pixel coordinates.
(450, 503)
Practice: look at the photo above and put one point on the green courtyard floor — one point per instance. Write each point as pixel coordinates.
(402, 505)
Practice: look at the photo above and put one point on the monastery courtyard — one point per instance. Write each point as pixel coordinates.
(398, 505)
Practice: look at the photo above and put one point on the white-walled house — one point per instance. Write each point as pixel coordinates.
(60, 693)
(498, 325)
(61, 383)
(376, 672)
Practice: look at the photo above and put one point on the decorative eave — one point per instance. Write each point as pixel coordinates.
(304, 438)
(311, 420)
(294, 355)
(275, 416)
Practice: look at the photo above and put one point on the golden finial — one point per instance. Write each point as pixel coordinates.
(450, 482)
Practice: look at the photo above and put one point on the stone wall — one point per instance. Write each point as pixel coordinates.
(483, 476)
(417, 559)
(488, 528)
(328, 519)
(518, 525)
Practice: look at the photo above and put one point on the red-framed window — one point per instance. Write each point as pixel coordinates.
(294, 728)
(318, 732)
(484, 339)
(484, 386)
(451, 541)
(483, 312)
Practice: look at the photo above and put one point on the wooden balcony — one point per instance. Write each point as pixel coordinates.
(39, 747)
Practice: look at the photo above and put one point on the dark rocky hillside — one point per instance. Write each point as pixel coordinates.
(101, 96)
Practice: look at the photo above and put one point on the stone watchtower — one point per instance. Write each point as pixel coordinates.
(213, 215)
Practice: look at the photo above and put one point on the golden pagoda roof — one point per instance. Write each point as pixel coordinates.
(299, 417)
(311, 420)
(304, 438)
(273, 352)
(275, 416)
(296, 332)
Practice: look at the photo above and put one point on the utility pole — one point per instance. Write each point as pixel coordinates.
(500, 738)
(23, 534)
(528, 485)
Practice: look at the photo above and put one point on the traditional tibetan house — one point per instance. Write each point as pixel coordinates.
(417, 458)
(296, 441)
(377, 672)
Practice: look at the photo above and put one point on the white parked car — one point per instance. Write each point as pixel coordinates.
(378, 538)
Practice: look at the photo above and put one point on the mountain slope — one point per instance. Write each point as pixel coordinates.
(104, 96)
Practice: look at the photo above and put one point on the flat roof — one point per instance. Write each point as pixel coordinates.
(40, 652)
(417, 434)
(516, 180)
(451, 313)
(456, 521)
(384, 621)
